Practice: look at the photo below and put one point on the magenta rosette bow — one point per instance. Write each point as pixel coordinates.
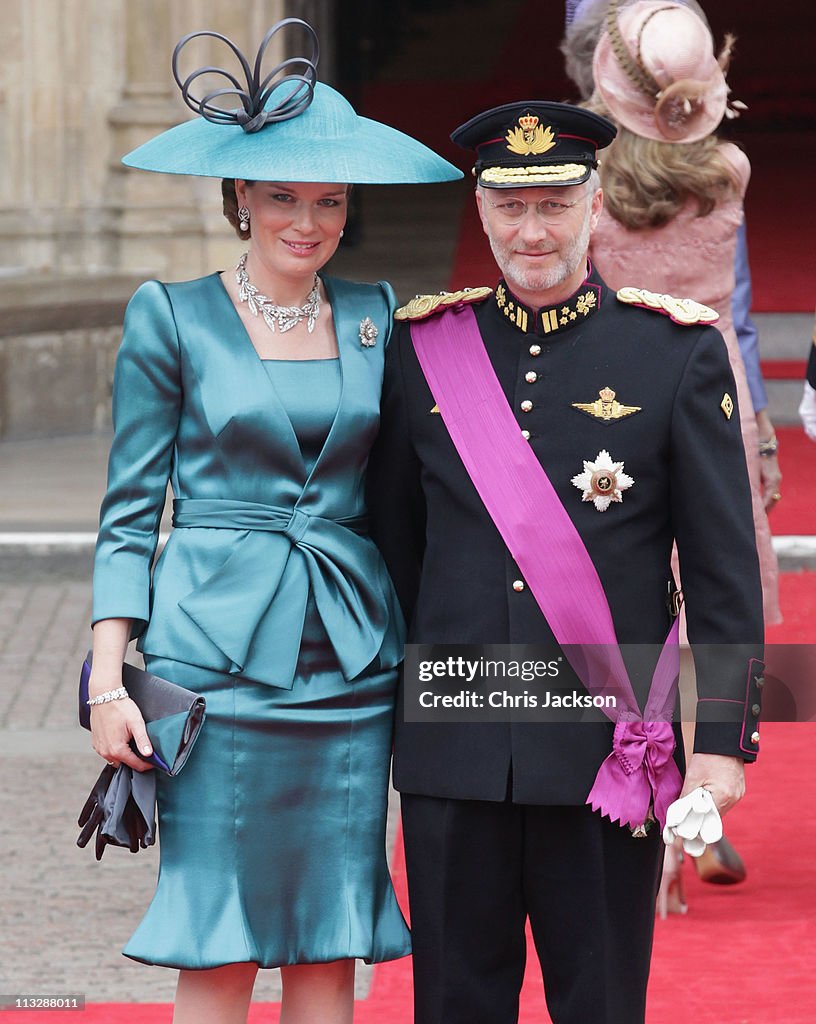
(640, 771)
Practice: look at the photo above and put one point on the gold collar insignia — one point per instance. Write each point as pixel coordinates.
(606, 407)
(577, 308)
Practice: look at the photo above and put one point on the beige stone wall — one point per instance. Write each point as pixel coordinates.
(81, 83)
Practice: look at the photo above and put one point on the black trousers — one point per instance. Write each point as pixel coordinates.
(477, 870)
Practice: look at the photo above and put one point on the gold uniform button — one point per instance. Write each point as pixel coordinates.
(755, 710)
(535, 350)
(526, 406)
(760, 681)
(526, 435)
(755, 737)
(531, 377)
(518, 586)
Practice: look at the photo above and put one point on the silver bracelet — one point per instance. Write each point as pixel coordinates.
(120, 693)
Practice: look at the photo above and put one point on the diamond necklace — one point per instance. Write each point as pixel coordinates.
(285, 317)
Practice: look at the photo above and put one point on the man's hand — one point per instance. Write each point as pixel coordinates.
(723, 777)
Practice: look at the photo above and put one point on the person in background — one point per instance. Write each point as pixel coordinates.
(673, 210)
(585, 20)
(256, 394)
(807, 409)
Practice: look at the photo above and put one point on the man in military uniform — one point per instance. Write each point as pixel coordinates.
(627, 404)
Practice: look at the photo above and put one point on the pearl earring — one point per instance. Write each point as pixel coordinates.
(243, 218)
(342, 232)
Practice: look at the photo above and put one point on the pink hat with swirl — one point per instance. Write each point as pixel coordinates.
(656, 71)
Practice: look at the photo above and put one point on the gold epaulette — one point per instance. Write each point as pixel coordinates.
(425, 305)
(682, 311)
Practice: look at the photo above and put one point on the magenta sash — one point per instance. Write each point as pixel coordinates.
(544, 542)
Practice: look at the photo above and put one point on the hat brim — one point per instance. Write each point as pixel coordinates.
(526, 176)
(328, 142)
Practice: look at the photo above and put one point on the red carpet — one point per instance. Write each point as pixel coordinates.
(742, 955)
(784, 369)
(796, 512)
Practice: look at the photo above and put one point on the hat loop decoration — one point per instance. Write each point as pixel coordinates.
(633, 68)
(252, 116)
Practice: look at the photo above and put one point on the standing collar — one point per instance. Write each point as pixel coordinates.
(583, 303)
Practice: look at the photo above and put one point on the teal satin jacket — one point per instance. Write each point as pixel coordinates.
(256, 539)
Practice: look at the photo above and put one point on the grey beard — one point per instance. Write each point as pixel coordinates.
(543, 280)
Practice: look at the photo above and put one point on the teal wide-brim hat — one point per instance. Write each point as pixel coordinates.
(289, 128)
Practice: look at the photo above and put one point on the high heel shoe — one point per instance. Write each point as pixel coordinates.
(671, 897)
(720, 864)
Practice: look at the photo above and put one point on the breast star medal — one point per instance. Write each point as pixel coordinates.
(602, 481)
(368, 332)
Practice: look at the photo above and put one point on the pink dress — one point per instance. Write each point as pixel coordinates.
(693, 257)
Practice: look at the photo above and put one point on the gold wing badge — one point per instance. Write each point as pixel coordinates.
(606, 407)
(530, 137)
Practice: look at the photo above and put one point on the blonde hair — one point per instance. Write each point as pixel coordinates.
(647, 183)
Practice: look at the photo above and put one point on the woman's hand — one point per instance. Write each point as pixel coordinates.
(112, 727)
(116, 722)
(770, 474)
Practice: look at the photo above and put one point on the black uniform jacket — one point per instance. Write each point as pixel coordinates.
(455, 577)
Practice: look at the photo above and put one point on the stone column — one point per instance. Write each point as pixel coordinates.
(152, 222)
(59, 70)
(171, 226)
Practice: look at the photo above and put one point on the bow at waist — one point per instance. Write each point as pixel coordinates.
(254, 605)
(219, 514)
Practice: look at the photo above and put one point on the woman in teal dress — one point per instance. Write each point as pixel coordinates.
(256, 394)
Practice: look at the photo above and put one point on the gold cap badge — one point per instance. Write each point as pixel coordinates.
(530, 137)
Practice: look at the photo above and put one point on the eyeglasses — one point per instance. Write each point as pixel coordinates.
(549, 210)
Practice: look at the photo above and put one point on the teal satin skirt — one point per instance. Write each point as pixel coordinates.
(272, 837)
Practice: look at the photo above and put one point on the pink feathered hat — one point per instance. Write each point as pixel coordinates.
(656, 71)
